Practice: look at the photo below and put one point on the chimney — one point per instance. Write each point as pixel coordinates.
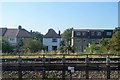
(31, 32)
(59, 32)
(19, 27)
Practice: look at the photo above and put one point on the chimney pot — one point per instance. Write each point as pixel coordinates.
(19, 27)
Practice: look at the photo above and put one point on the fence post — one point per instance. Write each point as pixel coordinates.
(63, 67)
(43, 64)
(20, 70)
(87, 67)
(108, 67)
(118, 71)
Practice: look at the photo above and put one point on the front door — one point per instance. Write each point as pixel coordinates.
(54, 48)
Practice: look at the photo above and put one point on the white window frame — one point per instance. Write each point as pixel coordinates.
(83, 33)
(109, 33)
(78, 33)
(54, 40)
(11, 39)
(99, 33)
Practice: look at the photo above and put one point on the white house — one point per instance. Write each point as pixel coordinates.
(52, 40)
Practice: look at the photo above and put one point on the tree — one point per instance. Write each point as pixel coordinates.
(115, 40)
(37, 35)
(6, 46)
(32, 45)
(67, 34)
(66, 42)
(105, 44)
(62, 47)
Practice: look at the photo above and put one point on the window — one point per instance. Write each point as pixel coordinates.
(98, 33)
(11, 39)
(84, 40)
(54, 48)
(108, 33)
(92, 33)
(78, 33)
(83, 33)
(54, 40)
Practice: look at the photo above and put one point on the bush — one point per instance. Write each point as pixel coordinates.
(32, 45)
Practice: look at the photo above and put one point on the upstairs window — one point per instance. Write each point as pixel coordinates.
(78, 33)
(83, 33)
(54, 40)
(92, 33)
(99, 34)
(109, 33)
(12, 39)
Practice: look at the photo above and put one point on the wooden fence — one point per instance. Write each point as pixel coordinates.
(107, 63)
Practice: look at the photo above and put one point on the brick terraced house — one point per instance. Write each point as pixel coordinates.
(81, 38)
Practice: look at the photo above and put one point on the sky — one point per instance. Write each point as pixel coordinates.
(40, 16)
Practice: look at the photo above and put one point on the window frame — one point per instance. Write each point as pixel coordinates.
(83, 33)
(108, 33)
(54, 40)
(99, 33)
(92, 33)
(78, 33)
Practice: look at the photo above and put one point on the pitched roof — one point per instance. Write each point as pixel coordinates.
(2, 31)
(11, 33)
(52, 34)
(23, 33)
(15, 33)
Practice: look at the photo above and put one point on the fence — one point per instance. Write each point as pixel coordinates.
(66, 65)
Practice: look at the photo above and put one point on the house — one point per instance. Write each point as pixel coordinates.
(52, 40)
(15, 35)
(81, 38)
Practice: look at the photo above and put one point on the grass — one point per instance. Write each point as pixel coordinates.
(57, 55)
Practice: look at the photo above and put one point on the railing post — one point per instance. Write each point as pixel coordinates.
(43, 64)
(118, 71)
(70, 75)
(63, 67)
(108, 67)
(19, 67)
(87, 67)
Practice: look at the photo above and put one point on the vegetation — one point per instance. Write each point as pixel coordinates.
(66, 41)
(67, 34)
(38, 36)
(6, 46)
(115, 40)
(32, 45)
(107, 44)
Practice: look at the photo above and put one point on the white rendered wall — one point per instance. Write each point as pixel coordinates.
(48, 42)
(14, 41)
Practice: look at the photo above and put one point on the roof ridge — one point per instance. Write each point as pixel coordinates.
(51, 34)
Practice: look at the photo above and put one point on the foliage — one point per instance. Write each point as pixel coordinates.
(115, 40)
(37, 35)
(66, 41)
(108, 45)
(67, 34)
(62, 47)
(32, 45)
(92, 48)
(105, 44)
(6, 46)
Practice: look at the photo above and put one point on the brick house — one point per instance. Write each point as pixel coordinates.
(81, 38)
